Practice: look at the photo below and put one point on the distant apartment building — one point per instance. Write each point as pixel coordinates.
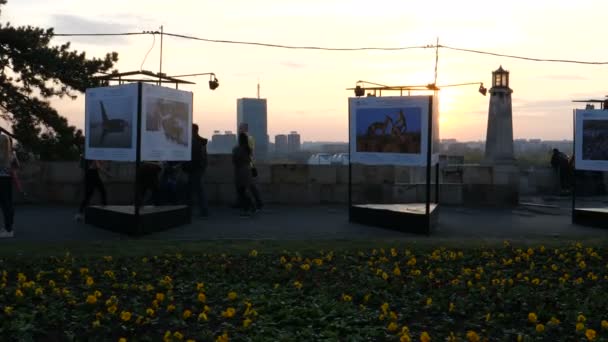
(222, 143)
(293, 142)
(280, 144)
(253, 113)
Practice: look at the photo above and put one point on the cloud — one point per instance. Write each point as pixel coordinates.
(293, 65)
(65, 23)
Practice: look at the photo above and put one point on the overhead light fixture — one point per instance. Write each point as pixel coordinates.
(482, 89)
(213, 82)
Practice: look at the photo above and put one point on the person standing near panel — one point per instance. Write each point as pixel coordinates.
(195, 169)
(6, 185)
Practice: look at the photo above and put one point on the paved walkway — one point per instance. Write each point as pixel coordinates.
(56, 223)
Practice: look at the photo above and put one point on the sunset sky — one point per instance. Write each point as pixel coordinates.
(306, 90)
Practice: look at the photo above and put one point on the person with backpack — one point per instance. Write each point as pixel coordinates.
(195, 169)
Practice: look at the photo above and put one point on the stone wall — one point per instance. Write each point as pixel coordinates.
(61, 182)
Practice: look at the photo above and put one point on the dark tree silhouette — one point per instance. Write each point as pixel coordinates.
(31, 72)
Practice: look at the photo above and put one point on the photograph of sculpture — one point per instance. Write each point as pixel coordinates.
(169, 120)
(595, 140)
(110, 122)
(389, 130)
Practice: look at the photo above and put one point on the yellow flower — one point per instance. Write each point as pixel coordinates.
(8, 310)
(170, 308)
(396, 271)
(202, 297)
(472, 336)
(202, 317)
(222, 338)
(425, 337)
(91, 299)
(532, 317)
(554, 321)
(160, 297)
(149, 312)
(90, 281)
(305, 267)
(18, 293)
(246, 323)
(590, 334)
(405, 338)
(384, 307)
(97, 293)
(346, 298)
(581, 318)
(540, 328)
(96, 323)
(392, 326)
(318, 261)
(125, 316)
(187, 314)
(452, 307)
(580, 326)
(604, 324)
(429, 301)
(122, 339)
(178, 335)
(190, 340)
(253, 253)
(232, 295)
(297, 284)
(200, 286)
(393, 316)
(39, 291)
(288, 266)
(229, 313)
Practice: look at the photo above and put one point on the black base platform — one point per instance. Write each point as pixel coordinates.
(409, 218)
(121, 218)
(593, 217)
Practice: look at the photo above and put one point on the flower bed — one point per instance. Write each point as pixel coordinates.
(395, 294)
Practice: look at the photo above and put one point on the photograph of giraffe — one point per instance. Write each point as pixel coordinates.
(389, 130)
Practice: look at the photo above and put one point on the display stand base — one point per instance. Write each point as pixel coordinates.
(408, 218)
(593, 217)
(122, 219)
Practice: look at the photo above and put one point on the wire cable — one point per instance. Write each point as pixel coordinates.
(282, 46)
(147, 53)
(522, 57)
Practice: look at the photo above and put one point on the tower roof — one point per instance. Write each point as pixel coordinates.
(501, 70)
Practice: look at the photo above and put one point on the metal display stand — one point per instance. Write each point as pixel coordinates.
(418, 218)
(137, 219)
(586, 216)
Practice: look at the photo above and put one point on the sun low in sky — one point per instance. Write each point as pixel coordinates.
(306, 89)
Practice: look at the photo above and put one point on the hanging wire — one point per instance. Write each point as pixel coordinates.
(147, 53)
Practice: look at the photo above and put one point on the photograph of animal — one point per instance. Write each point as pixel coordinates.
(110, 122)
(389, 130)
(109, 126)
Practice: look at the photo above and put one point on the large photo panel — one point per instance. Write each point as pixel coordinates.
(166, 124)
(389, 130)
(110, 123)
(591, 140)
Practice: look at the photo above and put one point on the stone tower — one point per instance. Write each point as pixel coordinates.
(499, 138)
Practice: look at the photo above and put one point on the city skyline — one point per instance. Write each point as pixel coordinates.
(306, 90)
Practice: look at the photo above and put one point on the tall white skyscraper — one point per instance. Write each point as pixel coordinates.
(253, 112)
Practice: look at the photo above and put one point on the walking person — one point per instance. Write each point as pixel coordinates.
(6, 186)
(92, 181)
(241, 160)
(148, 181)
(195, 169)
(253, 188)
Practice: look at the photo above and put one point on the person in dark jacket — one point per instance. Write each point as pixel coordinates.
(195, 169)
(561, 164)
(241, 159)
